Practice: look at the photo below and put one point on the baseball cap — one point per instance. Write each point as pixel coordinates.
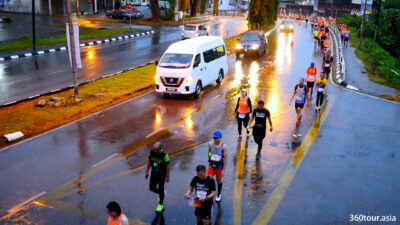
(312, 64)
(217, 134)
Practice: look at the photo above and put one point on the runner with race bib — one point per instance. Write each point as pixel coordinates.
(300, 94)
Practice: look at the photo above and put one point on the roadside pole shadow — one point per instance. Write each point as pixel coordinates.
(158, 219)
(219, 215)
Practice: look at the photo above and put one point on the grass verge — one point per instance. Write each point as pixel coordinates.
(32, 120)
(96, 95)
(146, 22)
(84, 33)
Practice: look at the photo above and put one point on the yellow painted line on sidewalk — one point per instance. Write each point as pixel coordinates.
(237, 199)
(277, 195)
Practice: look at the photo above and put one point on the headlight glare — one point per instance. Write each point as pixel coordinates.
(188, 80)
(255, 46)
(238, 46)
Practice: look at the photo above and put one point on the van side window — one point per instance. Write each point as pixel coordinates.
(197, 59)
(214, 53)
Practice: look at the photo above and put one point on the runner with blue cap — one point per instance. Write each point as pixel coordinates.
(217, 157)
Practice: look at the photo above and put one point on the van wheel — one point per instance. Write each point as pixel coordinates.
(237, 55)
(197, 90)
(220, 77)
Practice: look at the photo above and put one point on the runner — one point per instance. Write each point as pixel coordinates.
(311, 74)
(316, 39)
(204, 187)
(346, 37)
(218, 157)
(159, 162)
(260, 114)
(323, 38)
(301, 93)
(327, 44)
(116, 216)
(312, 23)
(327, 61)
(321, 86)
(242, 111)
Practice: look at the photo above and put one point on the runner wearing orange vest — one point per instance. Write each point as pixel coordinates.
(311, 73)
(116, 216)
(242, 111)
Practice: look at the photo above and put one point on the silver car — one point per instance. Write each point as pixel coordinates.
(194, 30)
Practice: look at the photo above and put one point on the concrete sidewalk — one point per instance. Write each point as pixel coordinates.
(356, 75)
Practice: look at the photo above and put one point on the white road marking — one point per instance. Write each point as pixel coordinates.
(102, 161)
(26, 202)
(154, 132)
(58, 71)
(16, 81)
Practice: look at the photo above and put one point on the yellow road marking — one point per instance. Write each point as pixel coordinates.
(276, 196)
(237, 199)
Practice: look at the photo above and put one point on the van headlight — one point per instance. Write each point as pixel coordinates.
(291, 26)
(188, 80)
(282, 26)
(255, 46)
(238, 46)
(157, 78)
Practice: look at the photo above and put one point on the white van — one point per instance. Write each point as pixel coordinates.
(190, 65)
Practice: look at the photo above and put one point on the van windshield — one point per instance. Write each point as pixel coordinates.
(190, 28)
(250, 37)
(172, 60)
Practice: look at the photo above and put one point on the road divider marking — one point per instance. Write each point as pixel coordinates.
(102, 161)
(154, 132)
(58, 71)
(273, 201)
(63, 48)
(14, 57)
(22, 204)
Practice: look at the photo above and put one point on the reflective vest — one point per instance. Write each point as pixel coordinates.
(327, 43)
(111, 222)
(311, 72)
(243, 106)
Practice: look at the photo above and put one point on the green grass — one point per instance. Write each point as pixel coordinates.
(32, 120)
(84, 33)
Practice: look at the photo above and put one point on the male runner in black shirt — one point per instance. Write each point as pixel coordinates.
(260, 114)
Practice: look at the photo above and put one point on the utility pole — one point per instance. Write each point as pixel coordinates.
(377, 21)
(72, 44)
(362, 25)
(33, 26)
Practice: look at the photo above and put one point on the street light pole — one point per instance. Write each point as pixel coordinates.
(362, 25)
(72, 44)
(33, 26)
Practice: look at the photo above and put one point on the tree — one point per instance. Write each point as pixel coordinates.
(193, 7)
(155, 10)
(202, 6)
(215, 7)
(262, 13)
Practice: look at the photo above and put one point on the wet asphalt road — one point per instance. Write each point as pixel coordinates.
(346, 160)
(22, 78)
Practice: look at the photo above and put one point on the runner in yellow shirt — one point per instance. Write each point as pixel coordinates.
(320, 86)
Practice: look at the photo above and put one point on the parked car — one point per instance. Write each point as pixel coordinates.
(286, 26)
(194, 30)
(252, 41)
(188, 66)
(124, 14)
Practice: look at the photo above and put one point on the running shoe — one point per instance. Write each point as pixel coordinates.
(240, 138)
(319, 108)
(218, 198)
(258, 156)
(316, 108)
(160, 208)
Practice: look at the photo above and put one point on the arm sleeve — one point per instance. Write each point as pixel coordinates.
(212, 185)
(166, 158)
(237, 105)
(254, 113)
(250, 108)
(124, 220)
(306, 89)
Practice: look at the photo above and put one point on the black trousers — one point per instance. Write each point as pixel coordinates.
(244, 122)
(157, 183)
(327, 71)
(259, 135)
(320, 99)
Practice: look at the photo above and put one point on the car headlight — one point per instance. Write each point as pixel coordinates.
(255, 46)
(291, 26)
(282, 26)
(188, 80)
(157, 78)
(238, 46)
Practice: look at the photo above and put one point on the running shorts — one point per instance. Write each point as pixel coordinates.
(205, 211)
(298, 105)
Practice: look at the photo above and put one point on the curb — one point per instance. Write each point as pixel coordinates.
(71, 86)
(91, 43)
(340, 65)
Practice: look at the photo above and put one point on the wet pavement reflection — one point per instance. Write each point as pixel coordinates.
(107, 163)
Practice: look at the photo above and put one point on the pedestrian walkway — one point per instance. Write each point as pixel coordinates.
(356, 75)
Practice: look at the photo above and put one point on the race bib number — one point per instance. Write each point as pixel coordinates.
(241, 116)
(215, 157)
(298, 98)
(327, 64)
(311, 77)
(320, 89)
(201, 193)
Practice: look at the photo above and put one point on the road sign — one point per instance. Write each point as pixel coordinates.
(130, 6)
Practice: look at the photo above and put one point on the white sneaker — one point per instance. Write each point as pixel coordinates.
(218, 198)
